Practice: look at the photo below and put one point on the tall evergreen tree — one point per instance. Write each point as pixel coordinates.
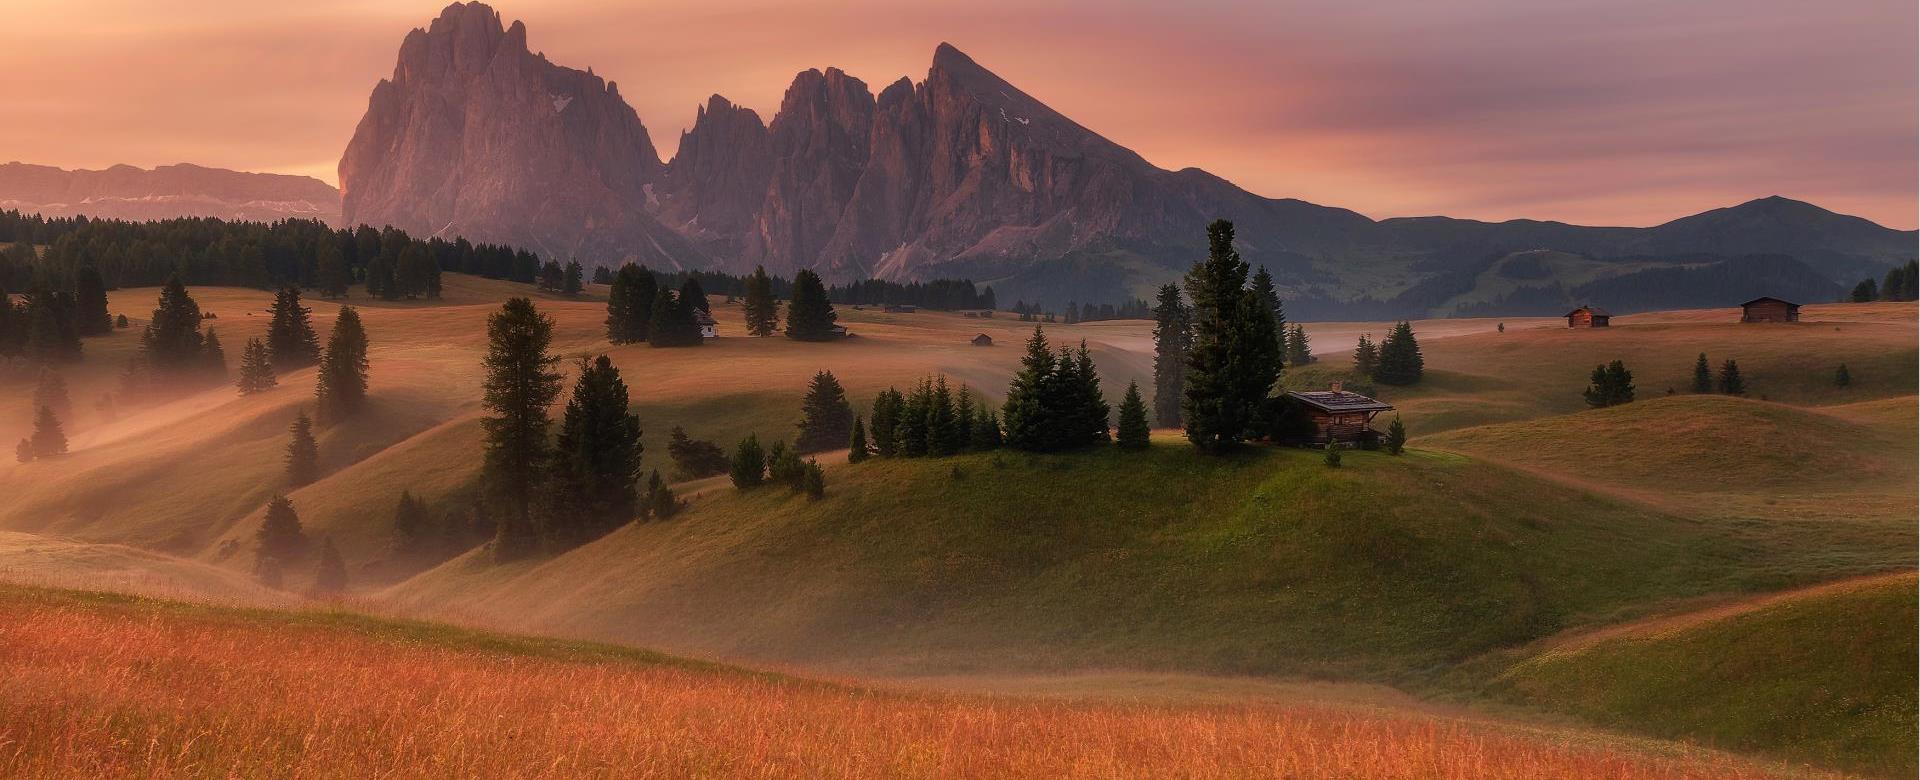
(1612, 385)
(291, 342)
(51, 336)
(303, 453)
(90, 302)
(1235, 357)
(256, 370)
(51, 392)
(280, 537)
(1134, 434)
(1400, 360)
(1087, 406)
(944, 435)
(762, 311)
(520, 385)
(49, 439)
(910, 432)
(1366, 356)
(1865, 291)
(414, 540)
(1702, 375)
(673, 324)
(1269, 298)
(826, 418)
(332, 274)
(1396, 436)
(809, 316)
(963, 416)
(575, 279)
(887, 408)
(172, 342)
(1895, 284)
(596, 463)
(1025, 410)
(986, 431)
(630, 305)
(1730, 381)
(340, 389)
(213, 357)
(749, 467)
(1172, 338)
(694, 295)
(1298, 350)
(330, 572)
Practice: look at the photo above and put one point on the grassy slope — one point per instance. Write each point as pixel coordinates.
(34, 559)
(1825, 675)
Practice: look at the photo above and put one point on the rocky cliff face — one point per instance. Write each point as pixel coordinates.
(126, 192)
(477, 136)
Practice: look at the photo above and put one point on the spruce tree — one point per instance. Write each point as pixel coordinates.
(814, 481)
(596, 459)
(1702, 375)
(1730, 381)
(49, 440)
(1028, 426)
(1865, 291)
(1298, 350)
(1172, 337)
(986, 431)
(51, 336)
(1611, 385)
(630, 305)
(1333, 454)
(331, 273)
(1842, 377)
(826, 418)
(303, 453)
(575, 279)
(1365, 357)
(413, 538)
(857, 442)
(809, 315)
(90, 302)
(256, 370)
(1400, 360)
(944, 435)
(51, 392)
(340, 387)
(910, 433)
(887, 408)
(694, 295)
(673, 324)
(1269, 299)
(1235, 357)
(172, 343)
(749, 468)
(762, 311)
(291, 342)
(520, 385)
(280, 537)
(1134, 434)
(330, 573)
(1396, 436)
(660, 502)
(213, 358)
(1088, 407)
(963, 417)
(694, 459)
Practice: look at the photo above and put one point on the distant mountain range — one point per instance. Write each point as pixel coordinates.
(964, 175)
(126, 192)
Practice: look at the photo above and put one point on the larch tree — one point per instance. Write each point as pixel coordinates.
(340, 389)
(761, 309)
(826, 418)
(520, 385)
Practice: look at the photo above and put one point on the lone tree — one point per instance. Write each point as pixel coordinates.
(280, 539)
(694, 295)
(1842, 377)
(1612, 385)
(1172, 338)
(330, 573)
(171, 345)
(256, 370)
(694, 459)
(291, 342)
(1133, 434)
(340, 390)
(749, 464)
(1702, 375)
(1400, 360)
(1730, 381)
(413, 538)
(1333, 454)
(809, 315)
(573, 283)
(213, 358)
(826, 418)
(596, 463)
(303, 454)
(762, 311)
(90, 302)
(1235, 357)
(630, 304)
(857, 447)
(660, 501)
(1366, 356)
(48, 441)
(1299, 351)
(520, 385)
(1396, 436)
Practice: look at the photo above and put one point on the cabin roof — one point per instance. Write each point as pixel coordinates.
(1593, 310)
(703, 318)
(982, 336)
(1340, 401)
(1765, 298)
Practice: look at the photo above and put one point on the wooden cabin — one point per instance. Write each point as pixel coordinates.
(983, 340)
(977, 314)
(901, 308)
(1340, 416)
(1588, 317)
(1768, 309)
(709, 329)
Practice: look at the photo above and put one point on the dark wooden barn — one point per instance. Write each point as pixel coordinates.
(1340, 416)
(983, 340)
(1588, 317)
(1769, 309)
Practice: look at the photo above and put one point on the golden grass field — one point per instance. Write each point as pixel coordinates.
(178, 691)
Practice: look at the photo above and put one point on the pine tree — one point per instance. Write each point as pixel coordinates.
(986, 432)
(694, 295)
(762, 311)
(695, 459)
(660, 503)
(413, 541)
(1842, 377)
(1134, 434)
(1365, 356)
(51, 392)
(1396, 436)
(1088, 409)
(1895, 283)
(630, 305)
(172, 342)
(520, 385)
(1333, 454)
(1611, 385)
(1400, 360)
(574, 280)
(1025, 412)
(887, 408)
(51, 336)
(1298, 350)
(749, 464)
(596, 457)
(330, 574)
(256, 370)
(826, 418)
(49, 440)
(213, 358)
(303, 453)
(1866, 291)
(673, 324)
(814, 481)
(291, 342)
(340, 388)
(857, 442)
(331, 273)
(944, 435)
(280, 537)
(910, 433)
(90, 302)
(1269, 299)
(1702, 375)
(809, 315)
(1730, 381)
(1235, 356)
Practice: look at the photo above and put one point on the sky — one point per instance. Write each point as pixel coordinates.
(1604, 112)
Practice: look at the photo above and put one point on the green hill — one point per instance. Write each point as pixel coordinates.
(1826, 675)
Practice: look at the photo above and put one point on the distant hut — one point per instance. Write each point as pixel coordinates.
(983, 314)
(983, 340)
(901, 308)
(1769, 309)
(1340, 416)
(709, 329)
(1588, 317)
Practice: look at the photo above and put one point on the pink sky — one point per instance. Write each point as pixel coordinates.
(1626, 112)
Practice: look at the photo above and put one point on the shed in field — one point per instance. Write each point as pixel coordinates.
(1769, 309)
(709, 329)
(1588, 317)
(1340, 416)
(983, 340)
(901, 308)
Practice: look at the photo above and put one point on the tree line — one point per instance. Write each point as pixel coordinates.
(1902, 283)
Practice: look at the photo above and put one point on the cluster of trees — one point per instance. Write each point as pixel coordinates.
(753, 466)
(642, 310)
(281, 541)
(939, 294)
(566, 279)
(1728, 382)
(1395, 361)
(932, 420)
(1054, 402)
(695, 458)
(1901, 284)
(1233, 349)
(1132, 309)
(1612, 385)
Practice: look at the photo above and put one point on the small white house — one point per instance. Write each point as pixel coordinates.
(708, 328)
